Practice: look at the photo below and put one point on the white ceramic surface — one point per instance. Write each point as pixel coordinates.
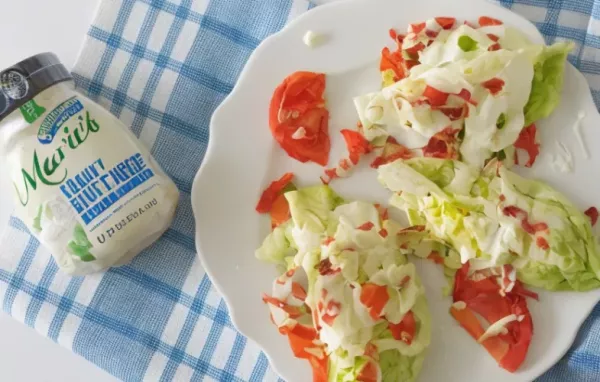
(243, 158)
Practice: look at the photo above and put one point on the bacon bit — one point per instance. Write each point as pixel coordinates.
(366, 226)
(493, 37)
(494, 85)
(374, 297)
(523, 216)
(442, 145)
(272, 192)
(328, 240)
(435, 97)
(494, 47)
(485, 21)
(298, 292)
(592, 213)
(445, 22)
(383, 233)
(392, 150)
(431, 34)
(435, 257)
(526, 141)
(356, 144)
(502, 197)
(415, 49)
(325, 268)
(416, 28)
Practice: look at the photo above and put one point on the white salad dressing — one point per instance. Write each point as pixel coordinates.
(84, 185)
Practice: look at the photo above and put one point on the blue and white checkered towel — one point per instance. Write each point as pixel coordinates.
(163, 67)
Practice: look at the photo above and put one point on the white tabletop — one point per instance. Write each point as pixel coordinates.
(24, 354)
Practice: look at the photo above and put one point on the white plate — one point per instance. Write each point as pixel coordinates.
(243, 158)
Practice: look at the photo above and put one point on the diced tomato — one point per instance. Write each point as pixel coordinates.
(280, 211)
(416, 28)
(415, 49)
(431, 34)
(332, 311)
(592, 213)
(542, 243)
(367, 226)
(435, 257)
(454, 113)
(466, 95)
(493, 37)
(298, 102)
(392, 61)
(494, 47)
(298, 291)
(374, 297)
(527, 142)
(357, 144)
(442, 145)
(485, 21)
(272, 192)
(392, 150)
(292, 311)
(435, 97)
(320, 368)
(494, 85)
(383, 233)
(524, 292)
(446, 22)
(405, 330)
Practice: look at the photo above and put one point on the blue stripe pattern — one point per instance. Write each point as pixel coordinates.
(163, 66)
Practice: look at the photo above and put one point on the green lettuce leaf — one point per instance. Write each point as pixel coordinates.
(277, 246)
(310, 207)
(547, 82)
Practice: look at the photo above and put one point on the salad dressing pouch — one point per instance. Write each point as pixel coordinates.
(83, 184)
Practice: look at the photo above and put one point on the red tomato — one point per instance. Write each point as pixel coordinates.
(357, 144)
(374, 297)
(446, 22)
(280, 211)
(493, 37)
(405, 330)
(416, 28)
(485, 21)
(265, 203)
(494, 85)
(526, 141)
(435, 97)
(494, 47)
(435, 257)
(592, 213)
(415, 49)
(366, 226)
(392, 61)
(298, 103)
(483, 297)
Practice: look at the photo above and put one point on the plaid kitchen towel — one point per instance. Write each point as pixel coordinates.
(163, 67)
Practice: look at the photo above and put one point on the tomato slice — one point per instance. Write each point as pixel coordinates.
(442, 145)
(435, 97)
(268, 197)
(526, 141)
(280, 211)
(494, 85)
(592, 213)
(298, 103)
(357, 144)
(374, 297)
(482, 295)
(485, 21)
(405, 330)
(446, 22)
